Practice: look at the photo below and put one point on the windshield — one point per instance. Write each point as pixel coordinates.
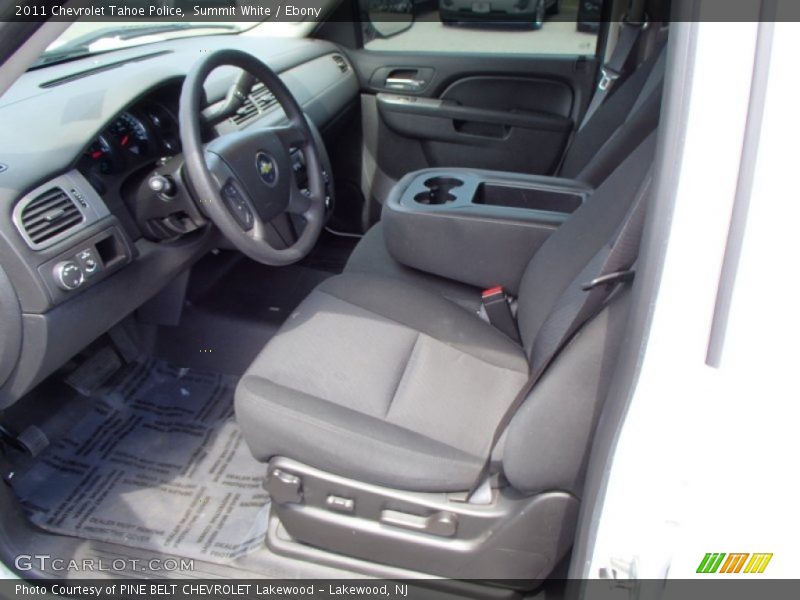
(87, 38)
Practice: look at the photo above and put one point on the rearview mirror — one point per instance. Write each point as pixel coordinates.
(387, 18)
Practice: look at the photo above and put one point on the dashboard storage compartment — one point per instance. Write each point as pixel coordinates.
(112, 250)
(473, 226)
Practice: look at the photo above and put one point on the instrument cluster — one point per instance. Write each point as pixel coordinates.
(147, 131)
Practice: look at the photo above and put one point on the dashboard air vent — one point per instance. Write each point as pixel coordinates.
(258, 102)
(341, 63)
(49, 214)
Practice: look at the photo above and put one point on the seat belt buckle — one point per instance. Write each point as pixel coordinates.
(609, 279)
(608, 77)
(496, 306)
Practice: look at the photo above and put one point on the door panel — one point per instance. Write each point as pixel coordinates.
(455, 135)
(503, 112)
(487, 122)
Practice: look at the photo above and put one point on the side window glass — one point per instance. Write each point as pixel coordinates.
(566, 27)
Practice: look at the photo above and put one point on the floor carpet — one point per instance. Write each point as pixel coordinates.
(158, 463)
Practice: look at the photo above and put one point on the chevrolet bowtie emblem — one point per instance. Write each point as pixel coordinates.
(267, 168)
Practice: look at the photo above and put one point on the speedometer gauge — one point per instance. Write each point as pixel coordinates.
(100, 153)
(130, 133)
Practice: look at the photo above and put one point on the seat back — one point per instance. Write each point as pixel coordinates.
(547, 439)
(570, 248)
(621, 123)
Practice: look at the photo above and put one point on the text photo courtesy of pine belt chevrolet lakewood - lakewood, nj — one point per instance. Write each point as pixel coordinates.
(217, 590)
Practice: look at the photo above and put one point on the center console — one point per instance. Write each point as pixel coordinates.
(477, 227)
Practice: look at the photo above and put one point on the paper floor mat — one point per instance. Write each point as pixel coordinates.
(158, 463)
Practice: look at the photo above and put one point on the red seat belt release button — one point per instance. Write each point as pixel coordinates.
(491, 292)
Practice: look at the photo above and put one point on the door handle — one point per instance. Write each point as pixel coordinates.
(402, 78)
(404, 83)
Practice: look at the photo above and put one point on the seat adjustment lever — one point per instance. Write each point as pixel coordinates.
(442, 523)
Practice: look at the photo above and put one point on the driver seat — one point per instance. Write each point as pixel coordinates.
(376, 401)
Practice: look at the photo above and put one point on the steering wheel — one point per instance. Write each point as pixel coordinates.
(244, 180)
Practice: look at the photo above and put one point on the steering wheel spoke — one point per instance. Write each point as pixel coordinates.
(233, 194)
(300, 201)
(238, 204)
(291, 136)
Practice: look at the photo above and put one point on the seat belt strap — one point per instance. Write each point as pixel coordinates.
(577, 306)
(615, 67)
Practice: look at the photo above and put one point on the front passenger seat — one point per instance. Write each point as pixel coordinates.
(377, 400)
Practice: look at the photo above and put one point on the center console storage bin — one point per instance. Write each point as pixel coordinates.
(476, 227)
(531, 198)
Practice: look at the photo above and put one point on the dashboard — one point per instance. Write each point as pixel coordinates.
(85, 240)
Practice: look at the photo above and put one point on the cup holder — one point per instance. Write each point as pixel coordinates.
(438, 190)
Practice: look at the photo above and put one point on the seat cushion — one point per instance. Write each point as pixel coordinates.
(381, 381)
